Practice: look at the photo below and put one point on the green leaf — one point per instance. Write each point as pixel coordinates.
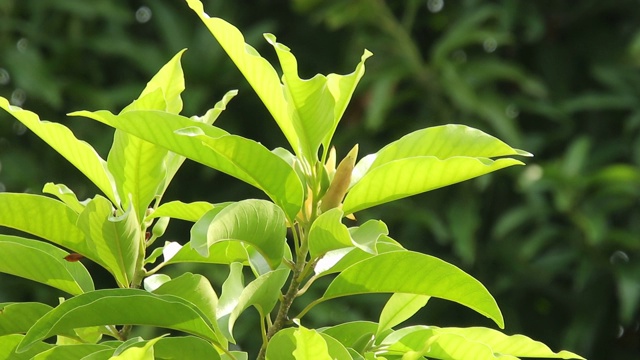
(444, 142)
(44, 217)
(225, 252)
(115, 240)
(328, 233)
(258, 223)
(144, 352)
(410, 176)
(119, 307)
(77, 152)
(197, 290)
(42, 262)
(9, 344)
(366, 236)
(317, 104)
(310, 345)
(516, 345)
(348, 334)
(242, 158)
(17, 318)
(337, 260)
(76, 351)
(399, 308)
(185, 348)
(262, 77)
(414, 273)
(262, 293)
(62, 192)
(183, 211)
(154, 281)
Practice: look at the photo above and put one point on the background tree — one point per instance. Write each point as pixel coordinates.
(557, 244)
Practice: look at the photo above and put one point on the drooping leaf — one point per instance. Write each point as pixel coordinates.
(366, 236)
(349, 333)
(42, 262)
(116, 240)
(258, 223)
(399, 308)
(410, 176)
(262, 77)
(328, 233)
(9, 344)
(77, 152)
(414, 273)
(242, 158)
(44, 217)
(16, 318)
(62, 192)
(183, 211)
(119, 307)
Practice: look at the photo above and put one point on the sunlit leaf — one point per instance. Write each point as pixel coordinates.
(258, 223)
(17, 318)
(349, 333)
(183, 211)
(184, 348)
(328, 233)
(225, 252)
(42, 262)
(410, 176)
(143, 352)
(121, 306)
(76, 351)
(414, 273)
(310, 345)
(9, 344)
(116, 240)
(291, 344)
(77, 152)
(399, 308)
(62, 192)
(337, 260)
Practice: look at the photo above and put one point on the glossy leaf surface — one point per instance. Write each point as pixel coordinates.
(17, 318)
(121, 306)
(42, 262)
(414, 273)
(399, 308)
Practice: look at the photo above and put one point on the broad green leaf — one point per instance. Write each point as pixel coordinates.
(185, 348)
(230, 297)
(516, 345)
(119, 307)
(154, 281)
(410, 176)
(399, 308)
(262, 77)
(17, 318)
(62, 192)
(77, 152)
(337, 260)
(348, 334)
(183, 211)
(77, 351)
(197, 290)
(242, 158)
(328, 233)
(47, 218)
(42, 262)
(144, 352)
(414, 273)
(9, 344)
(116, 240)
(258, 223)
(291, 344)
(254, 164)
(444, 142)
(419, 341)
(310, 345)
(225, 252)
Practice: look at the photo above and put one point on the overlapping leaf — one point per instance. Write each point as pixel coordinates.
(303, 343)
(183, 211)
(77, 152)
(121, 306)
(9, 344)
(414, 273)
(19, 317)
(42, 262)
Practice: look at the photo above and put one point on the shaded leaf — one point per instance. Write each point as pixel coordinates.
(414, 273)
(76, 351)
(42, 262)
(9, 344)
(62, 192)
(119, 307)
(17, 318)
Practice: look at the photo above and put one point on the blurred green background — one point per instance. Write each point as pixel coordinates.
(556, 242)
